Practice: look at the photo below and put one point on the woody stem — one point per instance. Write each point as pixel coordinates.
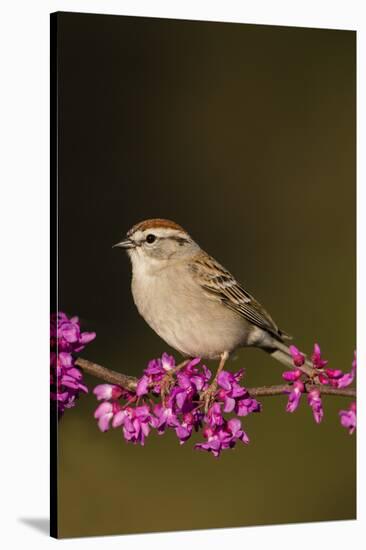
(130, 382)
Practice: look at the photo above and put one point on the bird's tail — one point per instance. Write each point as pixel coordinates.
(282, 353)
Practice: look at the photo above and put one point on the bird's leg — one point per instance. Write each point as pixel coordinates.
(167, 380)
(209, 394)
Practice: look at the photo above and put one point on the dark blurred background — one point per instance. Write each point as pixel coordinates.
(245, 135)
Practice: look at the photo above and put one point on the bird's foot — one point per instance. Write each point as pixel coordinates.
(167, 381)
(208, 396)
(165, 385)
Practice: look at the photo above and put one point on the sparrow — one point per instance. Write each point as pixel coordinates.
(191, 301)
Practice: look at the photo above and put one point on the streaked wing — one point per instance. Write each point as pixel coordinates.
(219, 283)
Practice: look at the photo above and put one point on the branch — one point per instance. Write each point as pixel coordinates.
(280, 389)
(130, 382)
(109, 376)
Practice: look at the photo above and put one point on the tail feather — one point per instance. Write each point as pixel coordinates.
(284, 335)
(282, 357)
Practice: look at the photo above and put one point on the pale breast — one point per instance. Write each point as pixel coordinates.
(177, 309)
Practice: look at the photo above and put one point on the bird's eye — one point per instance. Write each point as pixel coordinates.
(150, 238)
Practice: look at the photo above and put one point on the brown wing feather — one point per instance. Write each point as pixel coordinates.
(219, 282)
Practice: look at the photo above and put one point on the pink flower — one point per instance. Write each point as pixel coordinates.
(222, 437)
(348, 418)
(297, 357)
(333, 373)
(323, 379)
(333, 377)
(136, 424)
(104, 414)
(167, 362)
(154, 373)
(230, 390)
(66, 380)
(214, 416)
(191, 420)
(315, 403)
(67, 332)
(294, 396)
(291, 375)
(143, 386)
(190, 381)
(183, 432)
(165, 417)
(237, 434)
(108, 391)
(66, 340)
(316, 358)
(347, 378)
(213, 443)
(247, 406)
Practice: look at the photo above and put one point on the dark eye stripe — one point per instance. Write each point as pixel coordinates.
(180, 240)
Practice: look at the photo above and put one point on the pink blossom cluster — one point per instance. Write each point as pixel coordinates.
(183, 398)
(322, 376)
(66, 379)
(182, 406)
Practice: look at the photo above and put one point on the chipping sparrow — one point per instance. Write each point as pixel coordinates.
(191, 301)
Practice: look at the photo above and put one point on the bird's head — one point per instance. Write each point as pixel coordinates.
(157, 241)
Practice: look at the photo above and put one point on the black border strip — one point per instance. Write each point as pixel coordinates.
(53, 256)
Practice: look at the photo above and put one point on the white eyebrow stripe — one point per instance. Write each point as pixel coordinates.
(162, 232)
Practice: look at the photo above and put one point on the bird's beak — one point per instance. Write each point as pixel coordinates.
(127, 243)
